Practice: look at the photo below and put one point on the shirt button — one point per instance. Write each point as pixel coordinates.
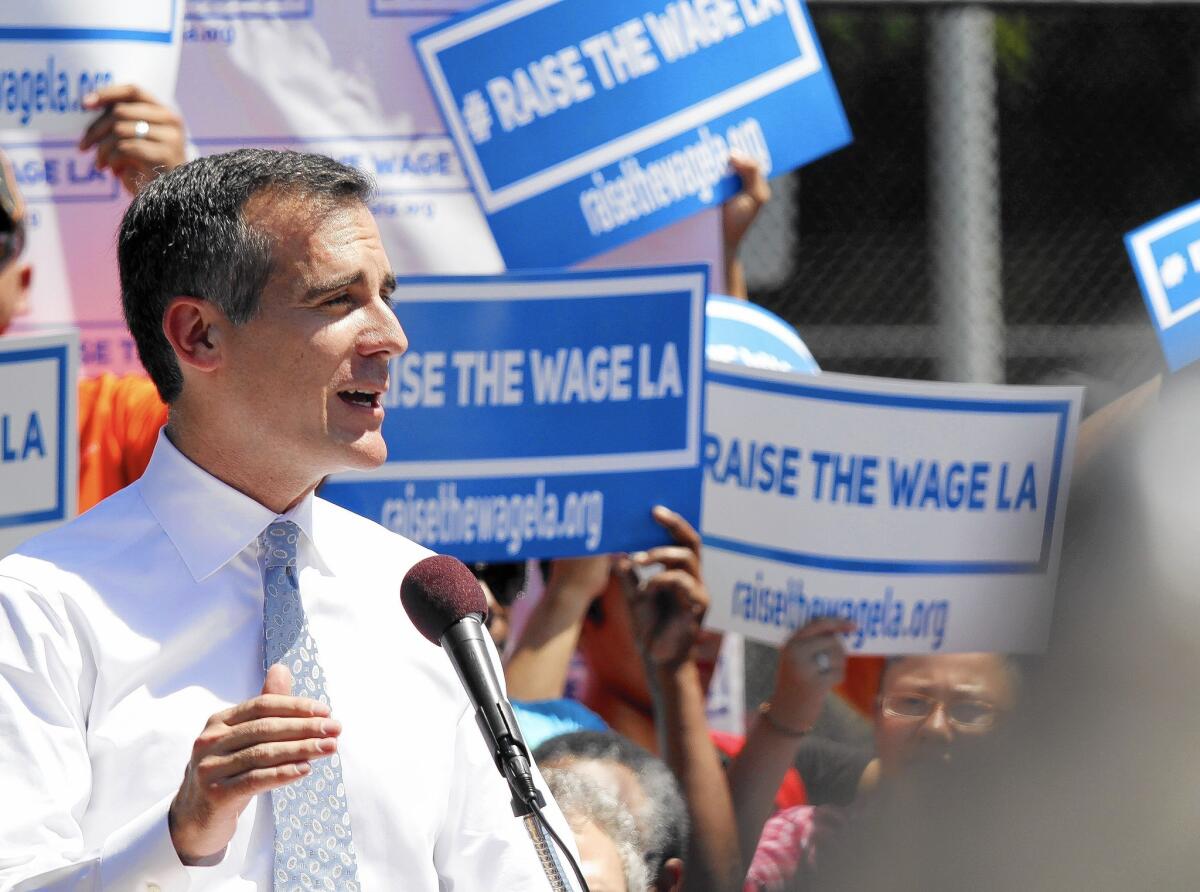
(153, 887)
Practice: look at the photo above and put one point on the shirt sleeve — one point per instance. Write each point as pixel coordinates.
(45, 772)
(482, 845)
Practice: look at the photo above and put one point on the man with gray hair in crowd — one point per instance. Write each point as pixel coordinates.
(605, 832)
(642, 781)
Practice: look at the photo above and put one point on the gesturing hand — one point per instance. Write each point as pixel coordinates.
(739, 211)
(811, 662)
(667, 609)
(245, 750)
(136, 136)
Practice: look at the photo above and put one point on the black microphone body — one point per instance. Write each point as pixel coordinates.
(464, 643)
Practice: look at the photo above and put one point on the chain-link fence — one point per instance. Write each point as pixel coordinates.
(1000, 153)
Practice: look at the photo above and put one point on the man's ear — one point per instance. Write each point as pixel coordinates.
(24, 281)
(670, 878)
(193, 327)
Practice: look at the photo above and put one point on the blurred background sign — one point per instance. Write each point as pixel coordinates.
(1166, 258)
(592, 124)
(540, 414)
(39, 455)
(930, 514)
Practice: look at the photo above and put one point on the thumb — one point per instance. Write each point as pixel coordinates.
(278, 681)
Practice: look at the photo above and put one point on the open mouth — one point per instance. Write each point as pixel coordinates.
(363, 399)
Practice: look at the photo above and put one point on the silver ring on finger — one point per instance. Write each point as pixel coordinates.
(141, 129)
(823, 663)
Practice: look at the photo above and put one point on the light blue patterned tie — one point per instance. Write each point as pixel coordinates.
(314, 848)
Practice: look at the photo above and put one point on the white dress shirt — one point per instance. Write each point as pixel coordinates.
(123, 631)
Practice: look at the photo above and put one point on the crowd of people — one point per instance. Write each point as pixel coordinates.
(655, 799)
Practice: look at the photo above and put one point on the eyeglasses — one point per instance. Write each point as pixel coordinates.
(973, 714)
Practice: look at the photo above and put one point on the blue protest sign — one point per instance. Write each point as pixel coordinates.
(1166, 258)
(540, 415)
(929, 514)
(584, 125)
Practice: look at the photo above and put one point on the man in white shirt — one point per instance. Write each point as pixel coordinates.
(132, 640)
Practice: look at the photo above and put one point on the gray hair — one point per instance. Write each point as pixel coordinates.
(582, 798)
(663, 823)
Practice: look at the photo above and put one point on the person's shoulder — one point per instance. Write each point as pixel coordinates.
(50, 577)
(346, 530)
(99, 535)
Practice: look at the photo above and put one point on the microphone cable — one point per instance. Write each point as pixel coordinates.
(562, 847)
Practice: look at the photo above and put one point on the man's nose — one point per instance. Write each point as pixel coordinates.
(937, 724)
(385, 335)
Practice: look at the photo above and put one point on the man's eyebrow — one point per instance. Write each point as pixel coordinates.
(324, 288)
(969, 688)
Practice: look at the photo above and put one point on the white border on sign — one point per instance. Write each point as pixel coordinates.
(612, 151)
(1142, 242)
(750, 314)
(68, 339)
(552, 289)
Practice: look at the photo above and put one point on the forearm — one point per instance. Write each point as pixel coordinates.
(735, 276)
(754, 777)
(714, 861)
(537, 669)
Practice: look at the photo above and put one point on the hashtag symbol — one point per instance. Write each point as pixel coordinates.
(478, 116)
(1173, 270)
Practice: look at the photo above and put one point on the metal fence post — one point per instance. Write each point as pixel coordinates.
(964, 194)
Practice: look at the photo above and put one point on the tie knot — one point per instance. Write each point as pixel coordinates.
(279, 543)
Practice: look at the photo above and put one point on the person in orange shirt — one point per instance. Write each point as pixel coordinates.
(119, 417)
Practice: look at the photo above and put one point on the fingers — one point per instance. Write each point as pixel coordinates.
(116, 93)
(122, 120)
(278, 681)
(248, 734)
(136, 136)
(750, 171)
(219, 766)
(262, 780)
(680, 589)
(272, 706)
(107, 129)
(675, 524)
(133, 153)
(816, 659)
(670, 556)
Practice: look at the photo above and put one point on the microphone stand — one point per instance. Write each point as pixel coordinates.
(527, 803)
(547, 855)
(464, 644)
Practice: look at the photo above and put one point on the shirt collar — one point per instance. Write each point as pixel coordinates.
(207, 520)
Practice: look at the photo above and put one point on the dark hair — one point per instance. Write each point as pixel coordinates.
(185, 234)
(507, 581)
(664, 829)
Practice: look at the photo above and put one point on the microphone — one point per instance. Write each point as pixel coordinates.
(445, 603)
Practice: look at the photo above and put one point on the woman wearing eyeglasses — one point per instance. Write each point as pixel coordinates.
(929, 707)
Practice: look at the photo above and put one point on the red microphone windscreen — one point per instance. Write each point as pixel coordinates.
(439, 591)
